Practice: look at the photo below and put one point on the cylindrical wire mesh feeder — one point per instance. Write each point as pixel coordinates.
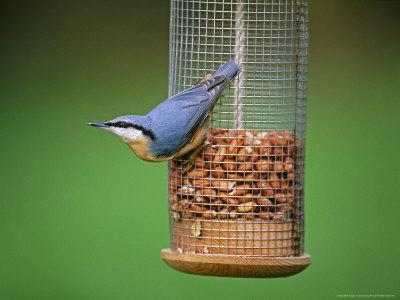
(240, 210)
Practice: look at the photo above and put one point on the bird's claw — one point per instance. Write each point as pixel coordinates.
(192, 158)
(190, 165)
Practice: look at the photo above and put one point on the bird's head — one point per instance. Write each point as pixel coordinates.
(129, 128)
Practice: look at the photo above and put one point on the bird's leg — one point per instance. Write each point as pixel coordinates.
(192, 158)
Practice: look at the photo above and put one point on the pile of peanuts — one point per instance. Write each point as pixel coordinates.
(239, 174)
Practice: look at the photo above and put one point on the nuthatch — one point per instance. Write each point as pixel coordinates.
(179, 124)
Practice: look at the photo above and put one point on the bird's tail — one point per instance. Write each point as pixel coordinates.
(229, 69)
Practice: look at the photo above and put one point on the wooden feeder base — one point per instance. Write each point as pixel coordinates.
(235, 266)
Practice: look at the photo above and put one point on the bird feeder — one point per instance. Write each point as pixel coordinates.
(240, 210)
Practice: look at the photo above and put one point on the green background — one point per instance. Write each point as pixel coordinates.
(82, 218)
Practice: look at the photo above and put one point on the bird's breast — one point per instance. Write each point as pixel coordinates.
(141, 148)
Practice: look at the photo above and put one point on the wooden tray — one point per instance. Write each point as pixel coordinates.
(235, 266)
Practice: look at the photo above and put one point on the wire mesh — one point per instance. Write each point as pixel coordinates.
(245, 193)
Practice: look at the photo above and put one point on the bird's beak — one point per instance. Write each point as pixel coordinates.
(98, 124)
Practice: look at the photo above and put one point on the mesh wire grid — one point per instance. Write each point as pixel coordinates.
(244, 195)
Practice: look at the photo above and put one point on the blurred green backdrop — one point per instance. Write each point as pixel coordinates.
(82, 218)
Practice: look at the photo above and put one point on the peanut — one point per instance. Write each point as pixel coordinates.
(289, 198)
(207, 192)
(244, 198)
(280, 198)
(196, 228)
(264, 165)
(199, 173)
(288, 163)
(264, 202)
(280, 216)
(200, 163)
(245, 167)
(274, 181)
(173, 198)
(186, 181)
(235, 176)
(228, 199)
(284, 187)
(278, 152)
(216, 131)
(223, 213)
(209, 152)
(253, 176)
(244, 154)
(185, 203)
(249, 216)
(229, 164)
(195, 208)
(200, 199)
(220, 156)
(216, 204)
(175, 177)
(223, 185)
(185, 189)
(175, 215)
(272, 136)
(240, 190)
(266, 215)
(245, 207)
(290, 150)
(209, 214)
(234, 145)
(202, 249)
(202, 182)
(283, 208)
(262, 135)
(232, 214)
(265, 189)
(219, 172)
(281, 141)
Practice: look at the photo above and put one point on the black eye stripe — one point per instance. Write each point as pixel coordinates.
(119, 124)
(122, 124)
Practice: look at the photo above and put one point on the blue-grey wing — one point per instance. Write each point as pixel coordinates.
(197, 102)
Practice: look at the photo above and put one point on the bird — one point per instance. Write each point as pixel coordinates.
(179, 124)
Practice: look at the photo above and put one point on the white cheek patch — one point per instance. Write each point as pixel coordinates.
(127, 134)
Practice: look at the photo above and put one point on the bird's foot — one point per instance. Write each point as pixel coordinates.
(189, 165)
(192, 158)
